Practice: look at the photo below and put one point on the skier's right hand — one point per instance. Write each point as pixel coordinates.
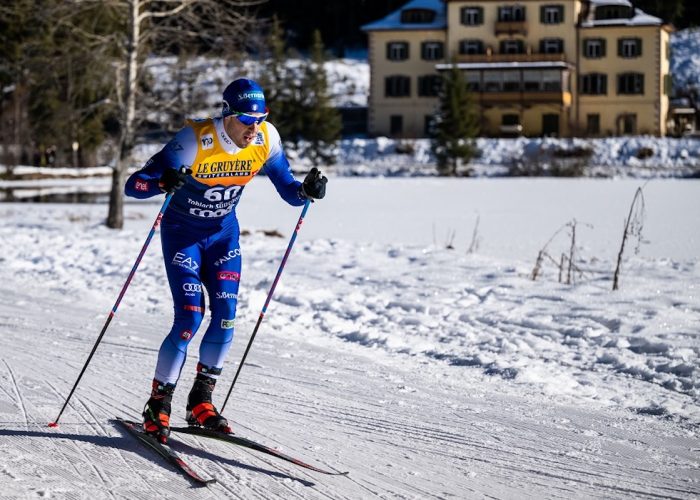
(173, 179)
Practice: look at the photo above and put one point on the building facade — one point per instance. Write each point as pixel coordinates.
(535, 67)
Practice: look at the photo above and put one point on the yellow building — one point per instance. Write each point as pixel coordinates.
(535, 67)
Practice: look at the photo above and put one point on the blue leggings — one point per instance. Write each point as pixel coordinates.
(197, 264)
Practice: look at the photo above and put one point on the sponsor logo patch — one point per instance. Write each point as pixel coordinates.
(193, 308)
(207, 141)
(191, 289)
(182, 260)
(226, 295)
(141, 186)
(186, 334)
(226, 324)
(228, 276)
(232, 254)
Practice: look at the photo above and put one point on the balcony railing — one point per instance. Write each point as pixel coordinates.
(511, 28)
(562, 98)
(492, 58)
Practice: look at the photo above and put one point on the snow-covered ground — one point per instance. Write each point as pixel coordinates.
(425, 372)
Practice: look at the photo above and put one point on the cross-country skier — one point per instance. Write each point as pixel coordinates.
(206, 166)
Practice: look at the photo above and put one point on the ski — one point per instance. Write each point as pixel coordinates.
(164, 451)
(247, 443)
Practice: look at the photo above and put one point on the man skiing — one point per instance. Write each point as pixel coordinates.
(205, 167)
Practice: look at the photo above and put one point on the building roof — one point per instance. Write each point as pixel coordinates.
(393, 20)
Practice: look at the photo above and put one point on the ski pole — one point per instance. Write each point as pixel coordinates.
(116, 304)
(267, 300)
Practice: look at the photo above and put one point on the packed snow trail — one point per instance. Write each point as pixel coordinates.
(402, 428)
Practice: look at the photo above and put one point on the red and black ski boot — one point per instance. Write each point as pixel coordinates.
(200, 410)
(156, 413)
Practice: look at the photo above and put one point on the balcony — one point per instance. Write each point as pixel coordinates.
(509, 58)
(561, 98)
(511, 28)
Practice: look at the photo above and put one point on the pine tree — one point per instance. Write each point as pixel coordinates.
(456, 124)
(275, 78)
(321, 121)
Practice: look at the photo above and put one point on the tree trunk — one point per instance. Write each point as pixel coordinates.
(115, 218)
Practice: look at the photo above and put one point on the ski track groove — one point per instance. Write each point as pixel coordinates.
(108, 485)
(18, 395)
(118, 451)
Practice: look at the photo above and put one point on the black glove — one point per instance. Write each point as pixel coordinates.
(314, 185)
(173, 179)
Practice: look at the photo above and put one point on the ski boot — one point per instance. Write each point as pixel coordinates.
(200, 410)
(156, 413)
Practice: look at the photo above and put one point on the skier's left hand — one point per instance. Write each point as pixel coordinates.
(173, 179)
(314, 185)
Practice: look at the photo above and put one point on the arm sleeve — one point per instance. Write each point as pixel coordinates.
(280, 173)
(181, 150)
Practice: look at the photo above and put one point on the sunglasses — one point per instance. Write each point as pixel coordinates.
(248, 120)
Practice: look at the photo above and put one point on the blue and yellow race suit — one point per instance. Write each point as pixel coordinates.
(200, 232)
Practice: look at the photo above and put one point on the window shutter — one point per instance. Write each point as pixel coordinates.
(639, 46)
(619, 47)
(543, 19)
(602, 47)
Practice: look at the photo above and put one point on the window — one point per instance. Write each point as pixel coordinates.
(397, 51)
(432, 51)
(551, 80)
(510, 119)
(593, 48)
(474, 81)
(512, 47)
(493, 81)
(472, 16)
(429, 85)
(532, 79)
(511, 13)
(471, 47)
(552, 46)
(629, 47)
(396, 124)
(417, 16)
(511, 81)
(593, 124)
(603, 12)
(552, 14)
(627, 123)
(630, 83)
(594, 84)
(550, 125)
(397, 86)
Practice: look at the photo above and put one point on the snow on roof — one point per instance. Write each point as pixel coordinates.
(393, 20)
(640, 18)
(506, 65)
(626, 3)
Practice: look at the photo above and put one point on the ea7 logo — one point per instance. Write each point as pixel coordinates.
(207, 141)
(183, 260)
(141, 186)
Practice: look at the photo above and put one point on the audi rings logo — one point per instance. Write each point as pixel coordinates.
(192, 287)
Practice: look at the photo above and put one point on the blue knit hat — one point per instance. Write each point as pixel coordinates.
(244, 96)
